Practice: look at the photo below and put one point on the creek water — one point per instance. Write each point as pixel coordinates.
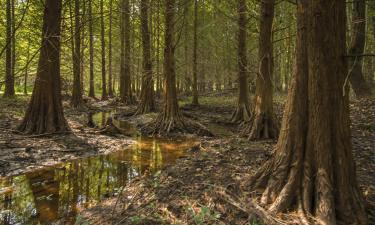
(56, 193)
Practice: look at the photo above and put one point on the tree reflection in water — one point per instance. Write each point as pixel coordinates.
(61, 192)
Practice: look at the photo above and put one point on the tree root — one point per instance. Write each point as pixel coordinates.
(241, 114)
(261, 127)
(174, 126)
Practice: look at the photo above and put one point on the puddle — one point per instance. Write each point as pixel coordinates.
(47, 195)
(98, 119)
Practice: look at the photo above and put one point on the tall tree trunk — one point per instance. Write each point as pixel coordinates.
(158, 75)
(77, 89)
(171, 120)
(110, 75)
(27, 67)
(243, 110)
(91, 50)
(9, 79)
(147, 103)
(13, 42)
(357, 48)
(102, 34)
(45, 112)
(187, 78)
(125, 78)
(312, 169)
(195, 55)
(83, 47)
(264, 124)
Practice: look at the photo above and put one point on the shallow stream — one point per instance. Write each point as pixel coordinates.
(60, 192)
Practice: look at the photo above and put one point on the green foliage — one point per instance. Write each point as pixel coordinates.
(81, 221)
(204, 215)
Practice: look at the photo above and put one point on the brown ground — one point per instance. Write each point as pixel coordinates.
(205, 187)
(21, 153)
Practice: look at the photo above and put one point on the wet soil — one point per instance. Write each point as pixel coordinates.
(205, 186)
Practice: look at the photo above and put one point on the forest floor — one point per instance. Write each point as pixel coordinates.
(22, 153)
(204, 187)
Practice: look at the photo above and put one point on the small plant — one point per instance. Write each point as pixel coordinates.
(81, 221)
(204, 215)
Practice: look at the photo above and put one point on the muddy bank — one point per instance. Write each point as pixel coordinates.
(20, 153)
(208, 187)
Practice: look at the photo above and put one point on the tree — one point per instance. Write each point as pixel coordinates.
(243, 110)
(263, 124)
(77, 89)
(171, 120)
(102, 34)
(147, 103)
(125, 78)
(110, 73)
(45, 112)
(9, 74)
(195, 56)
(91, 49)
(357, 48)
(312, 169)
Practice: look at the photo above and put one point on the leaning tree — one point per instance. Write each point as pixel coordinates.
(312, 169)
(243, 110)
(45, 111)
(263, 124)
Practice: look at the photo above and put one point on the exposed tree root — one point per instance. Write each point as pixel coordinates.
(173, 126)
(261, 127)
(241, 114)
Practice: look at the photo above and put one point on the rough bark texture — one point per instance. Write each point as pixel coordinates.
(312, 169)
(125, 79)
(77, 89)
(102, 34)
(195, 56)
(357, 47)
(91, 49)
(45, 111)
(243, 110)
(170, 120)
(147, 103)
(9, 79)
(110, 73)
(264, 124)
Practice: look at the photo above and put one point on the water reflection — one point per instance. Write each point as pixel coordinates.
(50, 194)
(98, 119)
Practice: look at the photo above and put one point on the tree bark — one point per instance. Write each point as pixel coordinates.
(110, 75)
(195, 56)
(357, 47)
(102, 34)
(243, 110)
(312, 169)
(9, 79)
(45, 112)
(77, 89)
(91, 49)
(125, 78)
(171, 120)
(263, 124)
(147, 103)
